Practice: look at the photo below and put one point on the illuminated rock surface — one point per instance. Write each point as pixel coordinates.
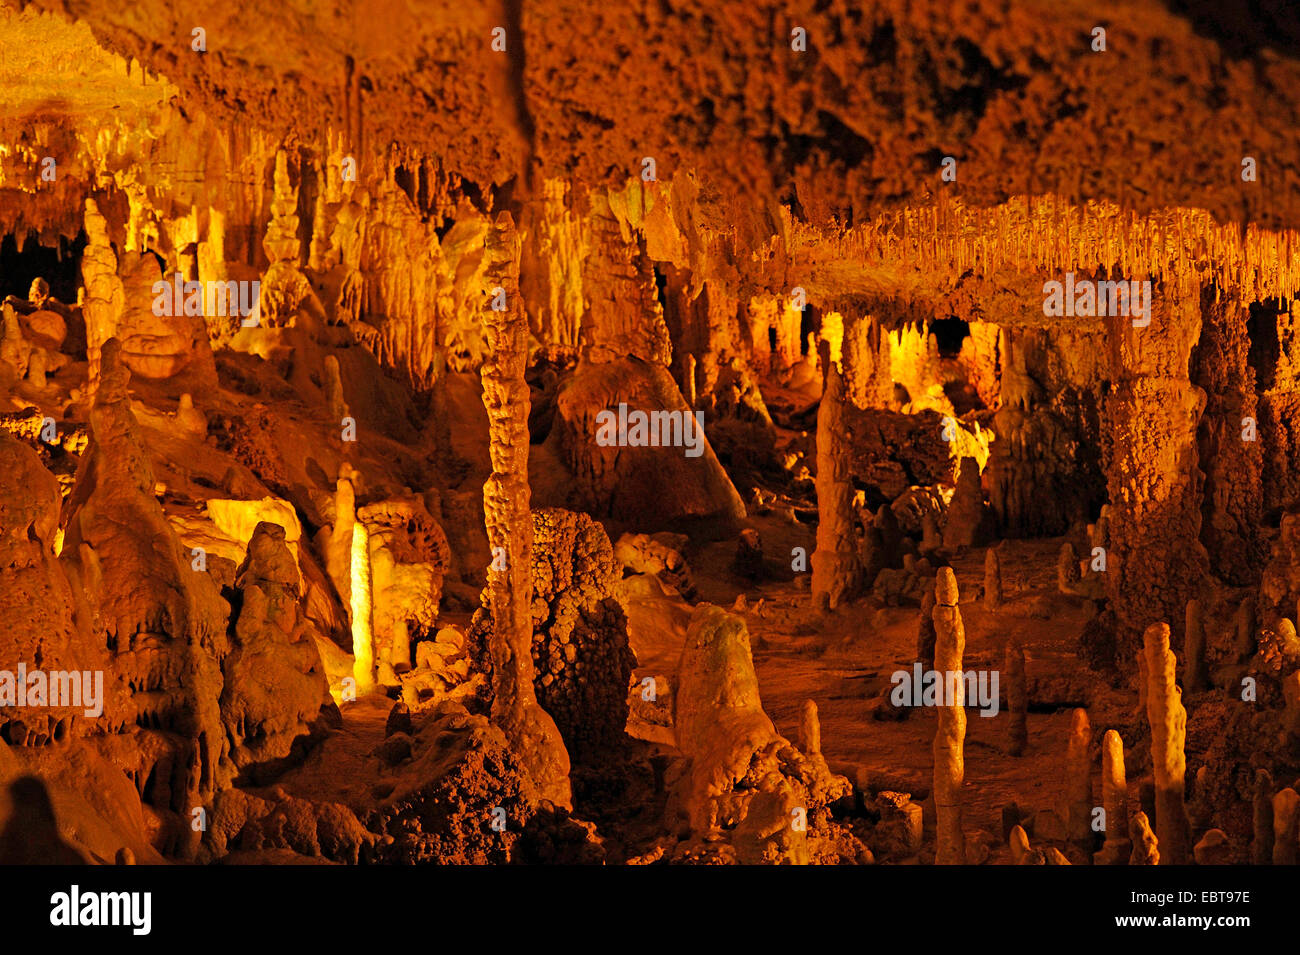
(386, 420)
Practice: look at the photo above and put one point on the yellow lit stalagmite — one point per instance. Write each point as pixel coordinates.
(363, 646)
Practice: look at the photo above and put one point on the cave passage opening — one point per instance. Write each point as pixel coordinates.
(950, 333)
(60, 265)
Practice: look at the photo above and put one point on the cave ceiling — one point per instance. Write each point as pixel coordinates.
(839, 144)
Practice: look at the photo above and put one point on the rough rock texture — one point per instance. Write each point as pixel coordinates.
(275, 684)
(1156, 559)
(740, 771)
(464, 255)
(167, 643)
(532, 732)
(644, 486)
(581, 657)
(443, 809)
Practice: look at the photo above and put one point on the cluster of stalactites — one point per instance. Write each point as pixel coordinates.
(1050, 234)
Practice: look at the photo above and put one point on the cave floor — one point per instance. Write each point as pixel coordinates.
(843, 660)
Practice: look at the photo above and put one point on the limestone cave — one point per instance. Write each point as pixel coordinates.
(655, 433)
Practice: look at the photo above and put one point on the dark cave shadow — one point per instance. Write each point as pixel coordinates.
(1242, 28)
(31, 836)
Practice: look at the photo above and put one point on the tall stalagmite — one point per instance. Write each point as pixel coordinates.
(1168, 721)
(1114, 800)
(992, 580)
(1078, 780)
(949, 738)
(1017, 698)
(835, 570)
(531, 731)
(105, 297)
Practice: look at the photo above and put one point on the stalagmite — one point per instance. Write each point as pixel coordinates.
(1168, 721)
(1243, 623)
(363, 641)
(1021, 852)
(1291, 699)
(925, 630)
(105, 298)
(810, 730)
(969, 522)
(1114, 800)
(949, 738)
(36, 367)
(190, 419)
(531, 731)
(865, 351)
(931, 539)
(1067, 569)
(339, 548)
(1078, 780)
(1017, 698)
(1146, 847)
(1286, 826)
(337, 408)
(992, 580)
(377, 322)
(1055, 856)
(835, 571)
(1213, 849)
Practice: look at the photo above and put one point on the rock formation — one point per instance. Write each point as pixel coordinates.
(1017, 698)
(1168, 721)
(727, 739)
(581, 657)
(1078, 780)
(531, 730)
(389, 404)
(1114, 799)
(836, 575)
(949, 739)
